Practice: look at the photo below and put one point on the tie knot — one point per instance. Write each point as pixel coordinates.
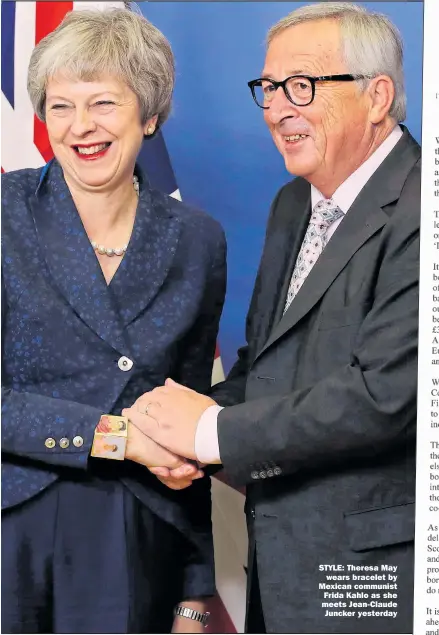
(325, 213)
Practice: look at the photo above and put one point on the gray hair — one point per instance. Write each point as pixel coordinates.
(89, 43)
(371, 44)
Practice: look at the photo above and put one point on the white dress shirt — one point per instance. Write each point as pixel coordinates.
(206, 436)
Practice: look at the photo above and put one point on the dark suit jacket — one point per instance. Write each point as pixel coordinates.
(64, 331)
(324, 433)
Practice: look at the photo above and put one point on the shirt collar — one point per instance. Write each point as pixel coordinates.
(348, 191)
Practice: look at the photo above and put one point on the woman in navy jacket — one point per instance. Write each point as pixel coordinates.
(109, 287)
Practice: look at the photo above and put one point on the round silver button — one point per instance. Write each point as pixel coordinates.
(125, 363)
(255, 474)
(78, 441)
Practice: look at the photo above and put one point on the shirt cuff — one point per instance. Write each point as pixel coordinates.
(206, 437)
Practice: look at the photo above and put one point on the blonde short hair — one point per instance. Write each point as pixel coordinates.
(90, 43)
(372, 45)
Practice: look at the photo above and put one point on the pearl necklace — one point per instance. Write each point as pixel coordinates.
(118, 251)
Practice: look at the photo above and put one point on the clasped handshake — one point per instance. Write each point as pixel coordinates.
(161, 432)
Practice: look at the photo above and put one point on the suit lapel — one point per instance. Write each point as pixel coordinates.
(301, 203)
(352, 233)
(150, 254)
(284, 237)
(71, 260)
(363, 220)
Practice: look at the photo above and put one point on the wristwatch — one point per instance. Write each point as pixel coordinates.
(110, 438)
(191, 614)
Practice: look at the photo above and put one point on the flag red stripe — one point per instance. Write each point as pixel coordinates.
(41, 139)
(48, 17)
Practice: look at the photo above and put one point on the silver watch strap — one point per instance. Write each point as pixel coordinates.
(191, 614)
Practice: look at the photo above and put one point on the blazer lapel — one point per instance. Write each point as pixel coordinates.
(364, 219)
(71, 260)
(150, 253)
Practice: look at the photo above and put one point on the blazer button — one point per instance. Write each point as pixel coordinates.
(255, 474)
(125, 363)
(270, 473)
(50, 443)
(263, 474)
(64, 443)
(78, 442)
(277, 471)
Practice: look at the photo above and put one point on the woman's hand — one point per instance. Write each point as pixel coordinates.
(147, 452)
(180, 478)
(170, 469)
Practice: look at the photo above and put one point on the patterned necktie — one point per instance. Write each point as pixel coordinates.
(323, 215)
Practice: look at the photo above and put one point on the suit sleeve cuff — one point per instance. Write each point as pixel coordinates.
(206, 437)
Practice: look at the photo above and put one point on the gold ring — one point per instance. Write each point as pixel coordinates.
(144, 411)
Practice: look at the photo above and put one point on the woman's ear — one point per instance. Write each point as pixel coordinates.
(150, 126)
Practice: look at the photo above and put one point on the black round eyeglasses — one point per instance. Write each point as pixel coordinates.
(299, 89)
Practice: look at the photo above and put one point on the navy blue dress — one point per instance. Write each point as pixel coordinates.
(88, 545)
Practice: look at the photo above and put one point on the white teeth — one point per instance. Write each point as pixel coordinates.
(92, 149)
(296, 137)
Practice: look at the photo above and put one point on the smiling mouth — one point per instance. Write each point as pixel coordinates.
(92, 151)
(295, 138)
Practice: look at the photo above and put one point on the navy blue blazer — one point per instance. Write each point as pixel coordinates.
(64, 332)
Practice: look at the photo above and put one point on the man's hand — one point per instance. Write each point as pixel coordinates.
(169, 415)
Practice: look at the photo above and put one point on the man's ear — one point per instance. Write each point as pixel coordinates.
(382, 93)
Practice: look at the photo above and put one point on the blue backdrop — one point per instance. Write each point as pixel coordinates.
(223, 156)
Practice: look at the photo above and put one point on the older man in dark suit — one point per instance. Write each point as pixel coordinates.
(318, 415)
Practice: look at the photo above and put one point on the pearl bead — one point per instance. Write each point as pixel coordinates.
(101, 249)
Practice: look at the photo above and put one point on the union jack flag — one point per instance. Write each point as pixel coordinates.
(25, 144)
